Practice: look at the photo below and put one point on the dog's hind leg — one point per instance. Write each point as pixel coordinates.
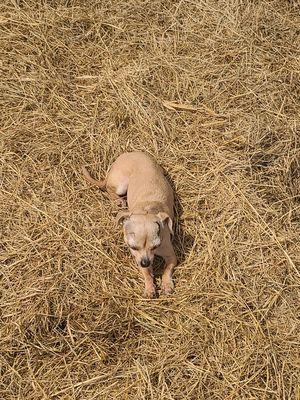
(121, 200)
(116, 186)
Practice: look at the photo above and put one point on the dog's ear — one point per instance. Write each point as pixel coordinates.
(122, 216)
(165, 219)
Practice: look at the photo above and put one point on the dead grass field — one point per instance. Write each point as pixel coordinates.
(83, 81)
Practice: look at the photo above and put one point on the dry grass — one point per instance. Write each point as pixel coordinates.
(82, 81)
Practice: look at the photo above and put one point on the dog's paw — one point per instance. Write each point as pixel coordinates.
(150, 292)
(167, 286)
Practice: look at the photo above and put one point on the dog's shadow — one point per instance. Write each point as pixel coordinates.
(182, 241)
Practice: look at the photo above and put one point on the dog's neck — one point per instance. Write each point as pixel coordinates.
(153, 207)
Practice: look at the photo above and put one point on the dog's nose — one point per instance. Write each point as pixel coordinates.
(145, 262)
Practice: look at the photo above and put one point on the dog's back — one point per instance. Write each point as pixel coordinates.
(146, 181)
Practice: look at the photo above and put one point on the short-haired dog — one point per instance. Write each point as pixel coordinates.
(148, 222)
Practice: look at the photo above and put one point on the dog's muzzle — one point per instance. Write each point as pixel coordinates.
(145, 262)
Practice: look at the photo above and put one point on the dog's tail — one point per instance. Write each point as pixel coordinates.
(101, 184)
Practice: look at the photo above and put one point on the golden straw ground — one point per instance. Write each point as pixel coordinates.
(211, 90)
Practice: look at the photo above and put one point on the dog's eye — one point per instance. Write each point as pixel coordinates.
(134, 247)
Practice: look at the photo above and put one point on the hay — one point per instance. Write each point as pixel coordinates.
(83, 81)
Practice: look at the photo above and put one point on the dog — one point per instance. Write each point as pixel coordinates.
(148, 222)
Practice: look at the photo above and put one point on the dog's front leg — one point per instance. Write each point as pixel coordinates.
(168, 254)
(150, 290)
(167, 284)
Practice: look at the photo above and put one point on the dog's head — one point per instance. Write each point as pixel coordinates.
(143, 234)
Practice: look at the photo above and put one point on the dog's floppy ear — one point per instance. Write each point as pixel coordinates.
(121, 216)
(165, 219)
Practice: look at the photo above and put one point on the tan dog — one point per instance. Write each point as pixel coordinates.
(149, 219)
